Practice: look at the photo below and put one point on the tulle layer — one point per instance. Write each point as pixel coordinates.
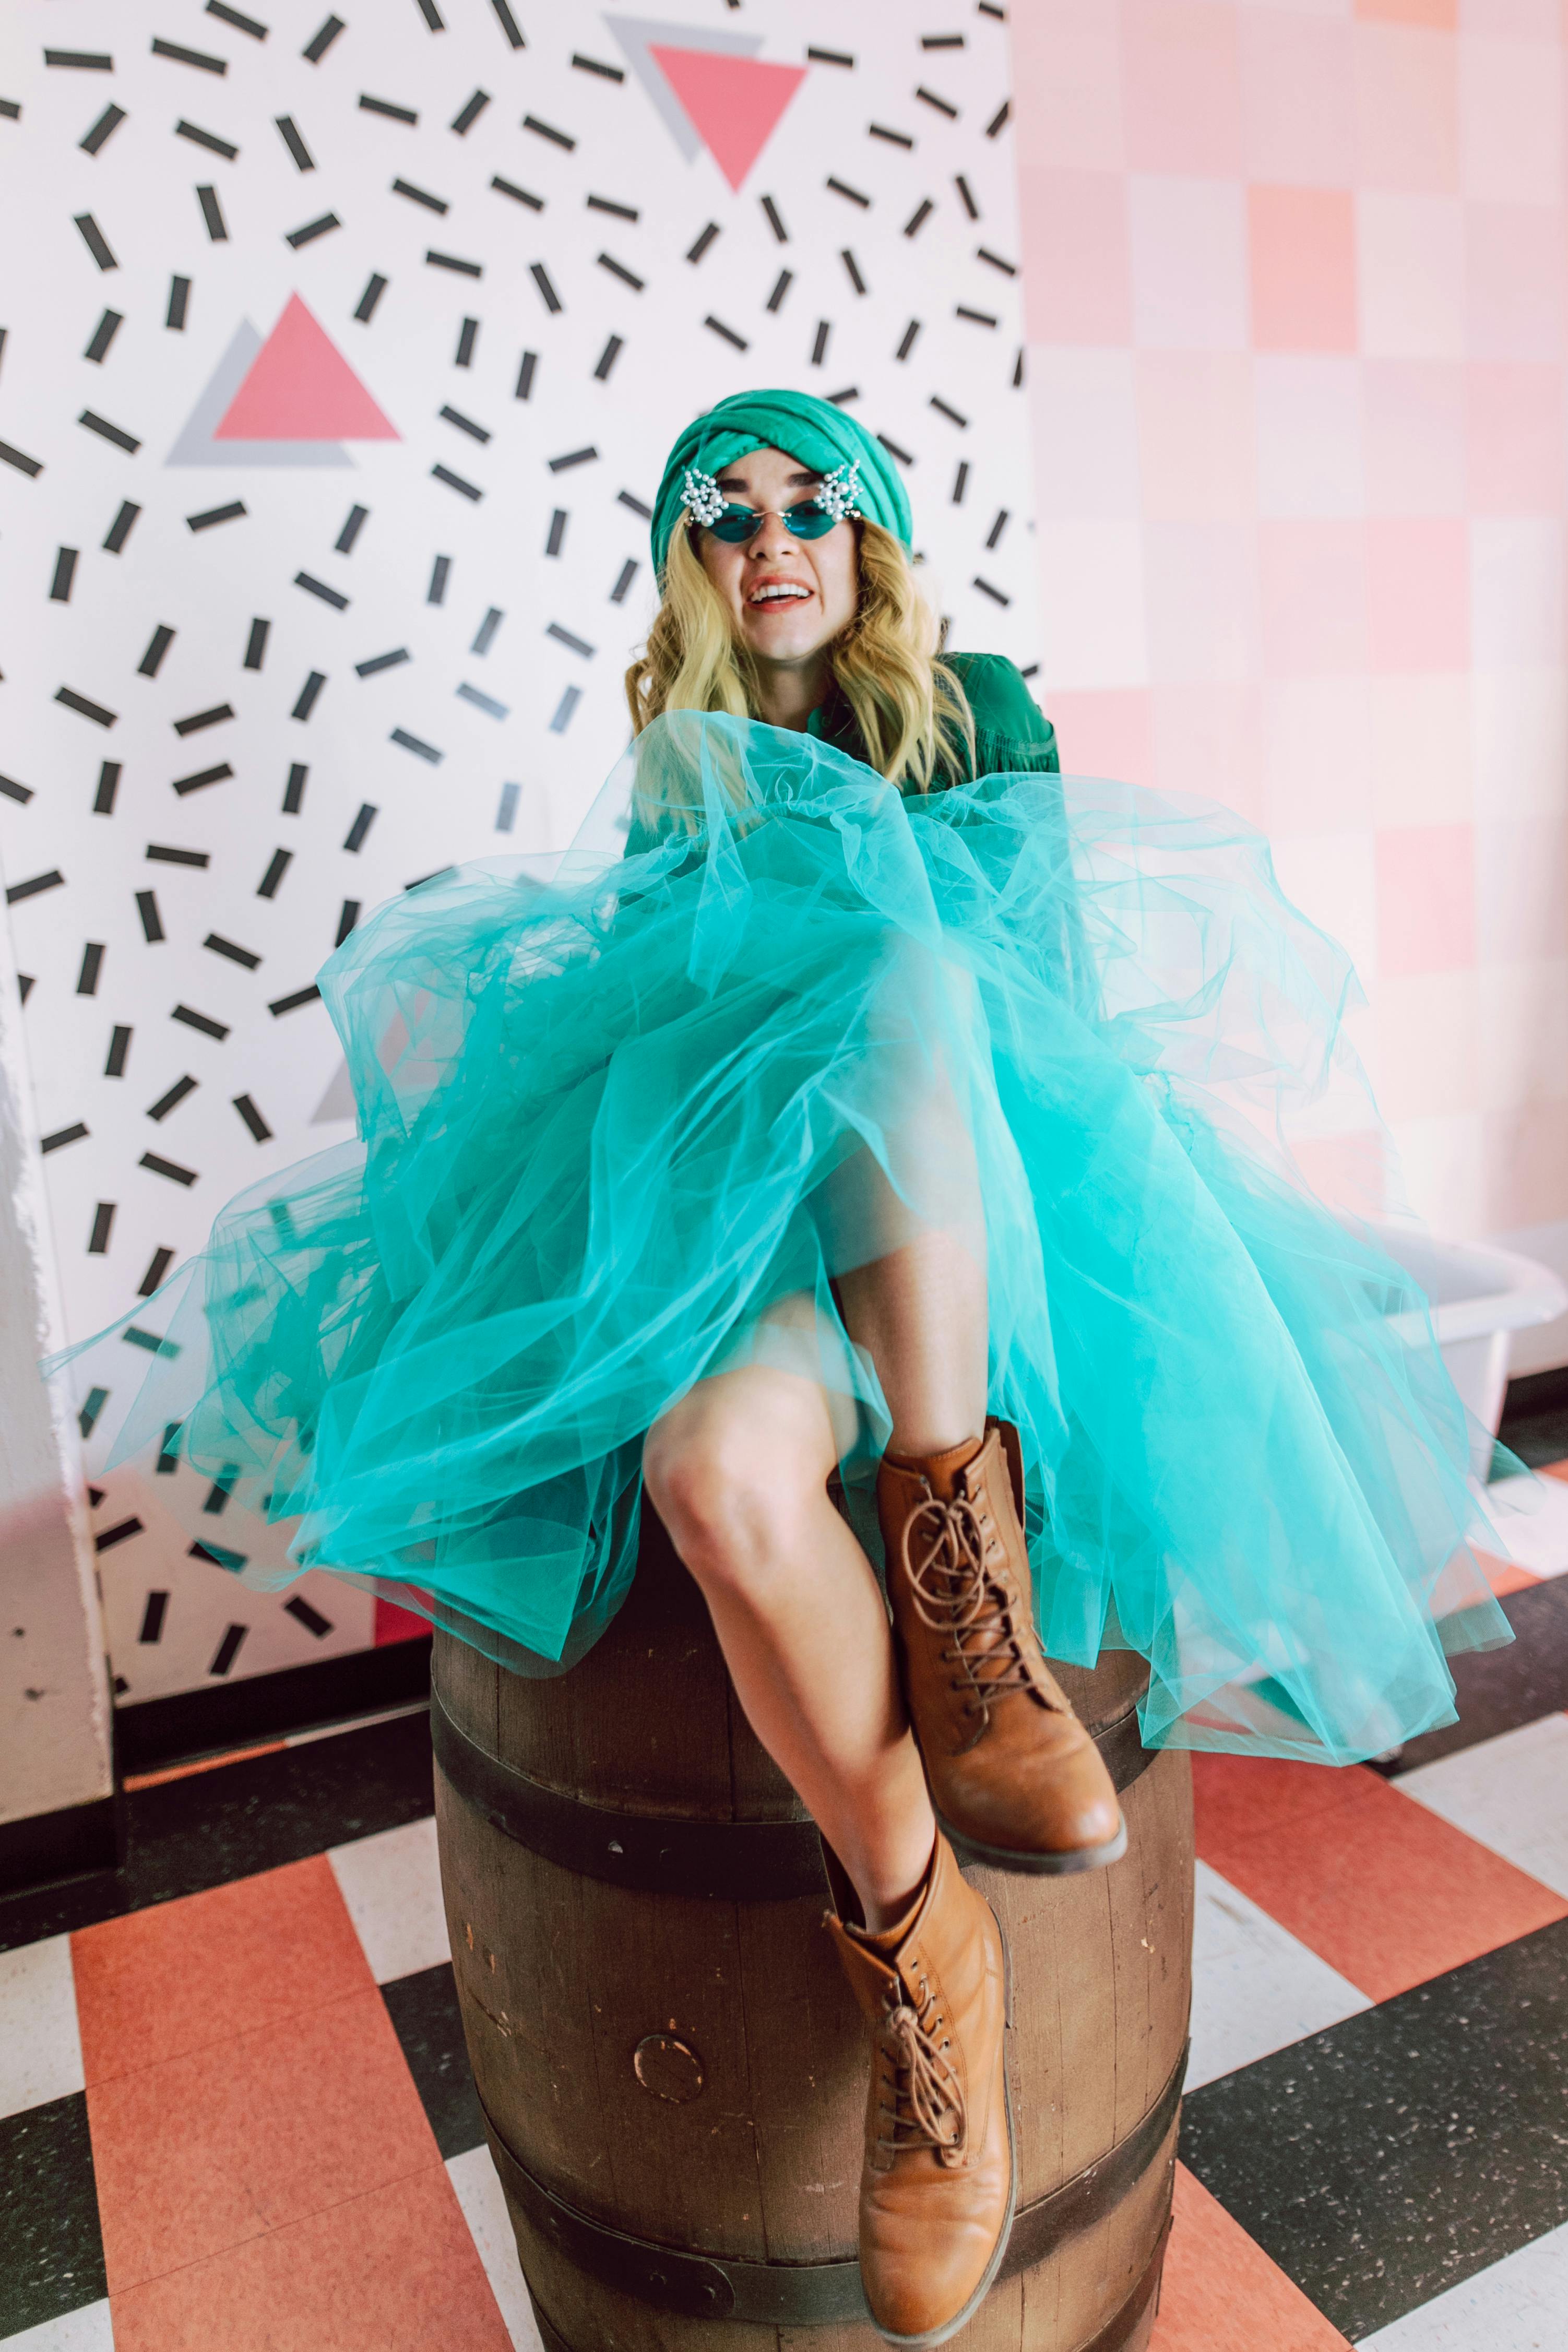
(625, 1122)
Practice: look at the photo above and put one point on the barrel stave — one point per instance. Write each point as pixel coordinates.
(471, 1685)
(583, 1972)
(1151, 1896)
(1067, 2301)
(687, 2174)
(644, 1721)
(517, 1942)
(1090, 1952)
(808, 2081)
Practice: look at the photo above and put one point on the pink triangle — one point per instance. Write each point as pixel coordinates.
(733, 104)
(300, 388)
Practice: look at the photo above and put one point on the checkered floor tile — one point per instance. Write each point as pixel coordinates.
(235, 2110)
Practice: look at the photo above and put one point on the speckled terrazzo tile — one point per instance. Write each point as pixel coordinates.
(392, 1886)
(1509, 1793)
(188, 1835)
(1255, 1987)
(1399, 2153)
(1539, 1438)
(1382, 1889)
(1520, 2305)
(40, 2043)
(1222, 2294)
(51, 2256)
(90, 2329)
(428, 2024)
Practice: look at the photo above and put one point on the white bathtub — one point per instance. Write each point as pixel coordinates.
(1480, 1297)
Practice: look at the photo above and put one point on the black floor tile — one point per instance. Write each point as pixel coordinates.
(423, 2010)
(242, 1818)
(1406, 2149)
(1541, 1438)
(1499, 1689)
(1535, 1417)
(51, 2252)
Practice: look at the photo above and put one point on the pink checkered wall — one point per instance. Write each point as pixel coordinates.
(1295, 275)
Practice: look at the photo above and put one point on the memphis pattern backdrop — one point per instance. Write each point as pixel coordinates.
(341, 356)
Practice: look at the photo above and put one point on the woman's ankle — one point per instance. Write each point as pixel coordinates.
(888, 1895)
(911, 1447)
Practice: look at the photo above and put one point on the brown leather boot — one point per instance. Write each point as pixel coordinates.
(937, 2188)
(1016, 1779)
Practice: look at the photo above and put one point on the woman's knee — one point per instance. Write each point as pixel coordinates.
(732, 1489)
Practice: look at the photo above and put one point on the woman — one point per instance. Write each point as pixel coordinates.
(856, 1096)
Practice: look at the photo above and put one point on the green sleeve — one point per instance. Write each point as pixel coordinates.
(1010, 730)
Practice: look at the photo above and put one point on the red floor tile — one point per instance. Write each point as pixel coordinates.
(392, 2271)
(1504, 1577)
(1221, 2292)
(199, 2153)
(1385, 1891)
(1243, 1796)
(171, 1979)
(203, 1764)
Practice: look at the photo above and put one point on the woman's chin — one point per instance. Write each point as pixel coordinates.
(793, 636)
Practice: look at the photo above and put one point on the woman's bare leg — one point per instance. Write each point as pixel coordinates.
(738, 1472)
(921, 1314)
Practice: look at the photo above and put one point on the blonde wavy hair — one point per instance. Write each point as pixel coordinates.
(913, 716)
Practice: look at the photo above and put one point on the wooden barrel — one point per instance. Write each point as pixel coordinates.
(672, 2070)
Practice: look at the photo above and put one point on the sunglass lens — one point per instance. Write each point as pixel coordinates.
(810, 519)
(735, 524)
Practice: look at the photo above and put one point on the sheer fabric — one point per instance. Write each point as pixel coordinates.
(623, 1121)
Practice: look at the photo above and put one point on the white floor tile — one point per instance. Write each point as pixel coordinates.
(1520, 2305)
(392, 1886)
(484, 2210)
(1255, 1987)
(87, 2330)
(40, 2049)
(1530, 1515)
(1511, 1793)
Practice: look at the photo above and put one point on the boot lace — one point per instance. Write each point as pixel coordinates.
(921, 2102)
(954, 1594)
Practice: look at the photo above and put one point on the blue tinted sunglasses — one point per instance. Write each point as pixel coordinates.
(736, 524)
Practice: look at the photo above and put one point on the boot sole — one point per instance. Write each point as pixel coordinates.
(1035, 1865)
(943, 2334)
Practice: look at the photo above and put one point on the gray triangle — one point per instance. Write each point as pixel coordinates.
(195, 444)
(637, 34)
(338, 1102)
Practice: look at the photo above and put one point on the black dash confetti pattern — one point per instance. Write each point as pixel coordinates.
(255, 684)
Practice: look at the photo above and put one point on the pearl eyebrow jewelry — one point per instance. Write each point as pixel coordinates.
(840, 491)
(702, 495)
(839, 495)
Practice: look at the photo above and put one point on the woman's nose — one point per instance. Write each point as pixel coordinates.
(773, 540)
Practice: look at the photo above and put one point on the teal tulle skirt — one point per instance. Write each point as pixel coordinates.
(625, 1119)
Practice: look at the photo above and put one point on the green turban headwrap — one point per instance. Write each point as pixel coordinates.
(813, 430)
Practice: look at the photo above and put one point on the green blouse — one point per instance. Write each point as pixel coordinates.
(1012, 733)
